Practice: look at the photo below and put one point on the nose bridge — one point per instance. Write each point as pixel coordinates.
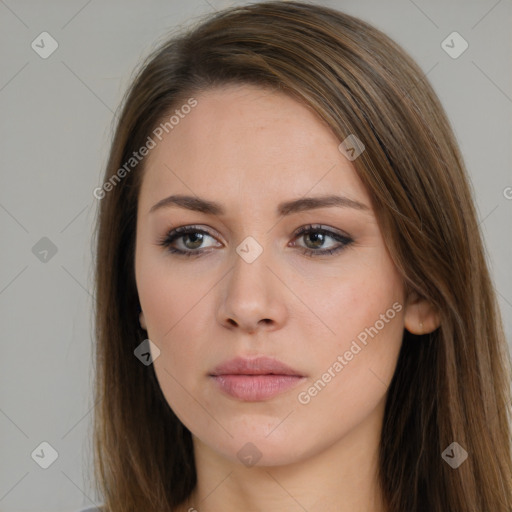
(251, 293)
(250, 275)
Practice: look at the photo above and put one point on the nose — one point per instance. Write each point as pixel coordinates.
(253, 297)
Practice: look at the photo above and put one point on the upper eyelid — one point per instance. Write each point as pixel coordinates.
(320, 227)
(192, 228)
(181, 231)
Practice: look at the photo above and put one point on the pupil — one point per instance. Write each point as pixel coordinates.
(197, 236)
(318, 236)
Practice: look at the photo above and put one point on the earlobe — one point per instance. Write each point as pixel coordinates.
(142, 321)
(420, 317)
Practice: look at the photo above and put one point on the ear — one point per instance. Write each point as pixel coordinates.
(142, 321)
(420, 316)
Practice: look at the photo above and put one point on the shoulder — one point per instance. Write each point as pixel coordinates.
(90, 509)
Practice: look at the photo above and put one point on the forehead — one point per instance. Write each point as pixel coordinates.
(242, 139)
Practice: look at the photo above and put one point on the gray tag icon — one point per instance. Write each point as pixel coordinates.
(147, 352)
(249, 454)
(454, 455)
(44, 250)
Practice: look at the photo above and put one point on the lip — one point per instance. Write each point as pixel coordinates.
(256, 379)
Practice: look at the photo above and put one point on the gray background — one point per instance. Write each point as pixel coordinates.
(56, 116)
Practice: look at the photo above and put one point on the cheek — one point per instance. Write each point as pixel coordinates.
(364, 313)
(168, 297)
(357, 300)
(171, 305)
(168, 304)
(354, 366)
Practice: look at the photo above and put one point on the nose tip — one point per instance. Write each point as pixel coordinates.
(251, 298)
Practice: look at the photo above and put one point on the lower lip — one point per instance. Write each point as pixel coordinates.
(253, 388)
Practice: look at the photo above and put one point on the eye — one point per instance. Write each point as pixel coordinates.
(316, 235)
(191, 238)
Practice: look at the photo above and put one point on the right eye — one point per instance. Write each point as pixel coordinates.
(191, 238)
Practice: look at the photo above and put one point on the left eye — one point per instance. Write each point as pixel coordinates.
(192, 238)
(317, 236)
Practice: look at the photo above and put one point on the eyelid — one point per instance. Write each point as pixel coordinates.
(320, 227)
(187, 228)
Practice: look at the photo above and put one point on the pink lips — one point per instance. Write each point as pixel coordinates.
(255, 379)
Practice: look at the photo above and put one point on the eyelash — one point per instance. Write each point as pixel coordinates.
(177, 233)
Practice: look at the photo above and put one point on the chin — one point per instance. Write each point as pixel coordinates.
(260, 446)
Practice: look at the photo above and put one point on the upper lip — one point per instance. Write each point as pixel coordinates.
(257, 366)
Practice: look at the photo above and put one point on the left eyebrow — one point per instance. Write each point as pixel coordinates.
(286, 208)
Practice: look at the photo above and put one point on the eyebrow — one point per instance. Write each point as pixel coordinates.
(198, 204)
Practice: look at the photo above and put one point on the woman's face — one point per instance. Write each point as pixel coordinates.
(250, 285)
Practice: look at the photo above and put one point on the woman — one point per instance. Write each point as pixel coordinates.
(294, 311)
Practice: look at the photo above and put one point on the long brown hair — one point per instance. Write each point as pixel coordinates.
(452, 385)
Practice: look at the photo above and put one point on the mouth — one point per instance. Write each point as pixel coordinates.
(253, 380)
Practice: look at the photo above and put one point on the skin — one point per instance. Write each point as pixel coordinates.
(250, 149)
